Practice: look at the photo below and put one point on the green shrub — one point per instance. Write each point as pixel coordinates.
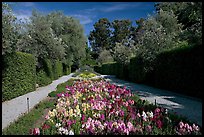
(181, 69)
(57, 69)
(44, 72)
(19, 75)
(136, 70)
(97, 69)
(109, 68)
(43, 79)
(66, 69)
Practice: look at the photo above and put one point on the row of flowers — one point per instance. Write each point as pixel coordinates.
(101, 108)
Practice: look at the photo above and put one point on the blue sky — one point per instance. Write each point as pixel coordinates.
(88, 12)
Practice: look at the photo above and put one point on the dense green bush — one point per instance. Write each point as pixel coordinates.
(66, 69)
(181, 69)
(42, 78)
(109, 68)
(19, 75)
(57, 69)
(44, 72)
(136, 70)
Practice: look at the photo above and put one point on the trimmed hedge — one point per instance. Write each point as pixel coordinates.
(136, 70)
(181, 69)
(57, 69)
(44, 73)
(19, 75)
(66, 69)
(109, 68)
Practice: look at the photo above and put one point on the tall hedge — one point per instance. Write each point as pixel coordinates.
(66, 69)
(44, 72)
(19, 75)
(109, 68)
(57, 69)
(136, 70)
(181, 70)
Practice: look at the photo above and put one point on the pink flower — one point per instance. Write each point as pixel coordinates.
(35, 131)
(45, 126)
(83, 117)
(138, 114)
(121, 114)
(181, 124)
(102, 117)
(159, 124)
(196, 128)
(130, 126)
(148, 128)
(157, 110)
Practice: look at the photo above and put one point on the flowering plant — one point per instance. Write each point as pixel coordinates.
(101, 108)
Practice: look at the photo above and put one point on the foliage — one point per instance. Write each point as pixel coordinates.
(19, 75)
(122, 53)
(161, 31)
(105, 56)
(66, 69)
(136, 70)
(100, 37)
(57, 69)
(181, 70)
(42, 79)
(109, 68)
(190, 15)
(121, 30)
(40, 39)
(9, 30)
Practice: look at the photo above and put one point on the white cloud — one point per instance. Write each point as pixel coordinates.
(83, 19)
(120, 6)
(27, 4)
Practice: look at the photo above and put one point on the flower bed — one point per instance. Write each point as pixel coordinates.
(86, 75)
(101, 108)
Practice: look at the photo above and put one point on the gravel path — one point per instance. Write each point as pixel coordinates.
(183, 105)
(14, 108)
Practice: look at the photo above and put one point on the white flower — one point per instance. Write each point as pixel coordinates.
(65, 132)
(150, 114)
(57, 125)
(144, 115)
(71, 132)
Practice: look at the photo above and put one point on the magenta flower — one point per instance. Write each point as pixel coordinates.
(35, 131)
(159, 123)
(157, 110)
(83, 117)
(102, 117)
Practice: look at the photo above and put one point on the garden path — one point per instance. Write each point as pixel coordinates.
(16, 107)
(183, 105)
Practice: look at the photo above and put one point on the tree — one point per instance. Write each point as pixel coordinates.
(123, 54)
(40, 39)
(160, 32)
(105, 56)
(100, 37)
(72, 34)
(122, 30)
(190, 15)
(9, 30)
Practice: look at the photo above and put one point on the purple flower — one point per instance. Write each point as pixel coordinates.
(102, 117)
(83, 117)
(121, 113)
